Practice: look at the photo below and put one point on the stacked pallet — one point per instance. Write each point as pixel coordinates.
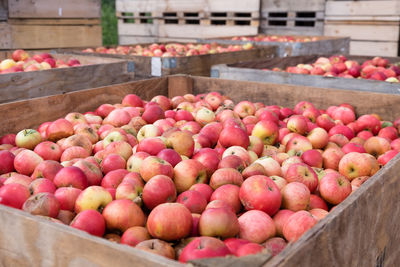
(292, 17)
(43, 24)
(145, 21)
(373, 26)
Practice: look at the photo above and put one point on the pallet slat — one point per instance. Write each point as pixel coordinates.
(364, 32)
(362, 8)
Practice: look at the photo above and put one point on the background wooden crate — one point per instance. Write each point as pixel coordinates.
(188, 20)
(374, 26)
(94, 72)
(253, 71)
(292, 17)
(43, 24)
(363, 223)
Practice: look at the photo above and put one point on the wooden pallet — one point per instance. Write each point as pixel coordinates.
(253, 71)
(292, 17)
(94, 72)
(27, 240)
(200, 65)
(373, 26)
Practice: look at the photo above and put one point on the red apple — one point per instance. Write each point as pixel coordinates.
(90, 221)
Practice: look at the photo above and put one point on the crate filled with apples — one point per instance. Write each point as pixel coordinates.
(160, 59)
(291, 45)
(196, 175)
(26, 74)
(366, 73)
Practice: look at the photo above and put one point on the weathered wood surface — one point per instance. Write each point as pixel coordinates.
(362, 8)
(3, 10)
(252, 71)
(326, 45)
(361, 231)
(194, 65)
(93, 72)
(292, 5)
(54, 9)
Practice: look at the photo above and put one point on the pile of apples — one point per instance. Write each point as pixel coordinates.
(277, 38)
(377, 68)
(21, 61)
(170, 49)
(194, 176)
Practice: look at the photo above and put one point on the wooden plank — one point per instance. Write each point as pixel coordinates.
(48, 36)
(93, 72)
(276, 30)
(6, 36)
(292, 5)
(365, 32)
(3, 10)
(54, 21)
(188, 6)
(375, 19)
(54, 9)
(362, 8)
(386, 49)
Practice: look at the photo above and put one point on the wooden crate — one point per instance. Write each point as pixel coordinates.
(194, 65)
(43, 24)
(292, 17)
(94, 72)
(183, 19)
(323, 45)
(374, 26)
(364, 224)
(253, 71)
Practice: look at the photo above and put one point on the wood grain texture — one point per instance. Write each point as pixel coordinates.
(384, 49)
(292, 5)
(93, 72)
(54, 9)
(41, 109)
(3, 10)
(362, 8)
(369, 32)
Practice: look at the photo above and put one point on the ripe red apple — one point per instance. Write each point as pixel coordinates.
(6, 161)
(159, 189)
(317, 202)
(158, 247)
(14, 195)
(152, 166)
(59, 129)
(218, 222)
(275, 245)
(71, 176)
(67, 196)
(267, 131)
(45, 204)
(225, 176)
(204, 247)
(280, 219)
(297, 225)
(134, 235)
(301, 172)
(90, 221)
(256, 226)
(42, 185)
(204, 189)
(234, 136)
(26, 161)
(193, 200)
(122, 214)
(187, 173)
(228, 193)
(48, 150)
(334, 188)
(354, 164)
(295, 196)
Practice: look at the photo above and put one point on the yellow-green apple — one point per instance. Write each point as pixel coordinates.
(280, 219)
(218, 222)
(169, 222)
(256, 226)
(331, 158)
(204, 116)
(112, 162)
(122, 214)
(59, 129)
(152, 166)
(132, 100)
(187, 173)
(225, 176)
(261, 193)
(93, 119)
(297, 225)
(295, 196)
(244, 109)
(67, 196)
(148, 130)
(204, 247)
(113, 178)
(92, 172)
(313, 158)
(135, 161)
(387, 156)
(26, 161)
(354, 164)
(318, 214)
(193, 200)
(270, 165)
(158, 247)
(113, 136)
(318, 137)
(14, 195)
(134, 235)
(317, 202)
(275, 245)
(279, 181)
(28, 138)
(6, 161)
(7, 64)
(45, 204)
(71, 176)
(267, 131)
(204, 189)
(186, 106)
(249, 249)
(76, 118)
(254, 169)
(228, 193)
(159, 189)
(298, 144)
(93, 198)
(232, 161)
(182, 142)
(74, 152)
(376, 146)
(151, 145)
(334, 188)
(90, 221)
(42, 185)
